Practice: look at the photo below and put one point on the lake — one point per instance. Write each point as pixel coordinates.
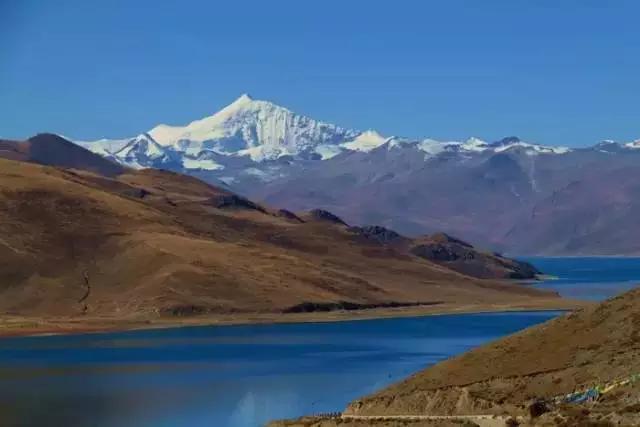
(589, 278)
(243, 376)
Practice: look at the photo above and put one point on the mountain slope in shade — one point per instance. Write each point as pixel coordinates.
(596, 214)
(156, 243)
(581, 202)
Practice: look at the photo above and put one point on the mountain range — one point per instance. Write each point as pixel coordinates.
(507, 195)
(82, 235)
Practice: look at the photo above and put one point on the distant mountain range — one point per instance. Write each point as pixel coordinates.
(508, 195)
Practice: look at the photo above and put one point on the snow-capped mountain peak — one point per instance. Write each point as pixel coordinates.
(140, 151)
(251, 137)
(202, 129)
(513, 142)
(258, 129)
(245, 98)
(143, 143)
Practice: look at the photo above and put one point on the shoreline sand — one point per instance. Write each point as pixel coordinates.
(17, 326)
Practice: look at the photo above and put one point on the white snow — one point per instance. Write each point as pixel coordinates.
(366, 141)
(474, 144)
(139, 147)
(327, 151)
(259, 129)
(260, 174)
(431, 147)
(262, 131)
(533, 149)
(395, 142)
(202, 164)
(104, 147)
(634, 145)
(229, 180)
(263, 152)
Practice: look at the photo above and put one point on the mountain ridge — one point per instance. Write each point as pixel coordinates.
(492, 193)
(190, 137)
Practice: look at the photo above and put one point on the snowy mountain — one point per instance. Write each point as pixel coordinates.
(251, 143)
(261, 133)
(142, 151)
(258, 129)
(104, 147)
(508, 194)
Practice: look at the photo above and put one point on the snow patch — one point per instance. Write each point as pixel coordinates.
(202, 164)
(142, 146)
(475, 144)
(366, 141)
(327, 151)
(634, 145)
(103, 147)
(229, 180)
(431, 147)
(533, 149)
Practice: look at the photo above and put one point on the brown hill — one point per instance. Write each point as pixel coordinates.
(464, 258)
(53, 150)
(449, 252)
(597, 346)
(153, 243)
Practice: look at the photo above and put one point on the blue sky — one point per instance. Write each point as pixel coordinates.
(554, 72)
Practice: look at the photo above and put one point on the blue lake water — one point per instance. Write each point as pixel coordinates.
(589, 278)
(243, 376)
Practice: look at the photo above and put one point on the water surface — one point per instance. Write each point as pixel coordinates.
(589, 278)
(243, 376)
(234, 376)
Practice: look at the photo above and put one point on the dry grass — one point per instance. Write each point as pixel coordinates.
(154, 244)
(595, 345)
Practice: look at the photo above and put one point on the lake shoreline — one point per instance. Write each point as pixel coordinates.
(25, 326)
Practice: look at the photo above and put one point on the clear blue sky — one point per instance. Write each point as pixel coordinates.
(554, 72)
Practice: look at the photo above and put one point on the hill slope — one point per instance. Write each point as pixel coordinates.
(157, 243)
(595, 346)
(49, 149)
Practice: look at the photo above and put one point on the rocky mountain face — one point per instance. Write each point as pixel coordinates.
(508, 195)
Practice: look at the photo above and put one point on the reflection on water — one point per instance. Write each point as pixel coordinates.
(235, 376)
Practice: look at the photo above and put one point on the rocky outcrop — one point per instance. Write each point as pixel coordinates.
(136, 193)
(223, 201)
(464, 258)
(377, 233)
(322, 215)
